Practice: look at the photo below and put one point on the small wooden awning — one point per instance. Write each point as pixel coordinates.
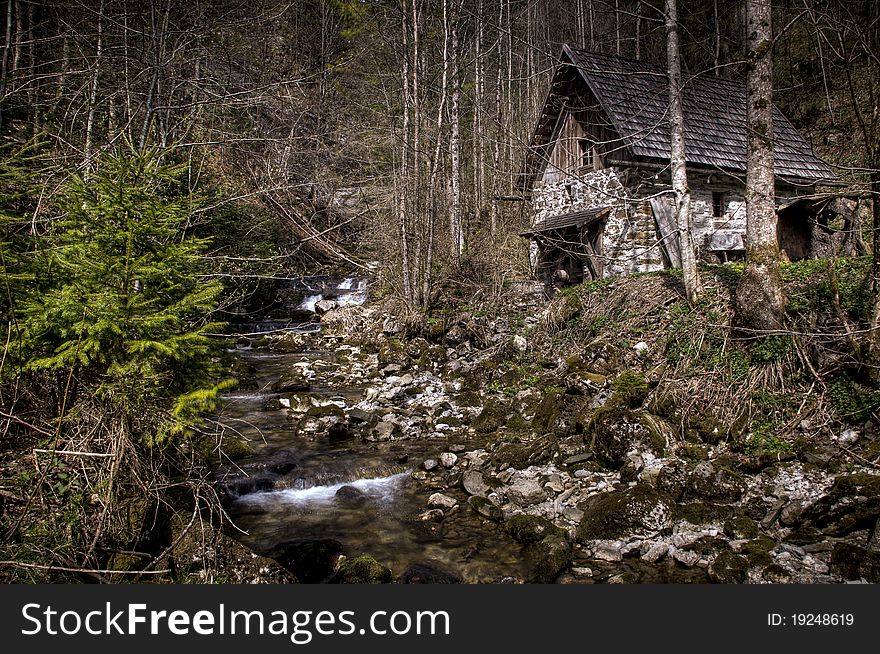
(566, 220)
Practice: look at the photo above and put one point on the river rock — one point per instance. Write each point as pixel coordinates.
(430, 464)
(607, 550)
(432, 515)
(323, 306)
(673, 479)
(547, 558)
(384, 431)
(339, 431)
(312, 561)
(525, 492)
(729, 568)
(518, 455)
(429, 573)
(638, 510)
(361, 570)
(528, 529)
(293, 381)
(359, 416)
(614, 432)
(484, 507)
(715, 484)
(441, 501)
(448, 459)
(351, 496)
(474, 484)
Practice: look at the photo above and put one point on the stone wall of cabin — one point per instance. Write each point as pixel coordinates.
(631, 239)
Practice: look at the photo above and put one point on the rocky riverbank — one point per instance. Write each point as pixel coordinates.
(576, 454)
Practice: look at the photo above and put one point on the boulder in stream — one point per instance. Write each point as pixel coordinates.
(311, 560)
(429, 573)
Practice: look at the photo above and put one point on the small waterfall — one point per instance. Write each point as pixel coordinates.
(308, 303)
(376, 488)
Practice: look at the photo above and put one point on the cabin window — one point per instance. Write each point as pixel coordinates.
(587, 154)
(717, 204)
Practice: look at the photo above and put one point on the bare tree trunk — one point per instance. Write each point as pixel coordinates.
(692, 284)
(874, 334)
(427, 270)
(7, 49)
(496, 142)
(717, 52)
(760, 302)
(639, 32)
(403, 180)
(478, 149)
(19, 35)
(455, 212)
(617, 26)
(93, 92)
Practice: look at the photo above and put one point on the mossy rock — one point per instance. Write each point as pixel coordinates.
(613, 432)
(708, 427)
(528, 529)
(693, 452)
(434, 355)
(715, 484)
(325, 411)
(758, 551)
(547, 412)
(484, 507)
(740, 527)
(852, 503)
(469, 398)
(393, 352)
(361, 570)
(491, 418)
(729, 568)
(703, 513)
(312, 561)
(673, 478)
(235, 449)
(853, 562)
(547, 559)
(522, 455)
(630, 389)
(619, 514)
(776, 574)
(516, 423)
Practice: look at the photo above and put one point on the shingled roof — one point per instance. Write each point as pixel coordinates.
(634, 96)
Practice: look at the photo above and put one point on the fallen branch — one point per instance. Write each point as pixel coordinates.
(101, 455)
(55, 568)
(39, 430)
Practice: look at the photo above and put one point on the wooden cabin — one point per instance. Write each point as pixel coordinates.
(597, 173)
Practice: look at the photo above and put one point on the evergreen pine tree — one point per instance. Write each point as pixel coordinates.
(127, 306)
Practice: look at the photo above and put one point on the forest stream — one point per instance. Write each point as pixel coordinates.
(303, 490)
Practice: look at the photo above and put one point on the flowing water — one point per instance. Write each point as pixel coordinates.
(290, 491)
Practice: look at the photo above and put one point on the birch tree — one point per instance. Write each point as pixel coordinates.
(683, 211)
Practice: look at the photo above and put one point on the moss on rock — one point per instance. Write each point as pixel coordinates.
(729, 568)
(620, 514)
(547, 558)
(527, 529)
(361, 570)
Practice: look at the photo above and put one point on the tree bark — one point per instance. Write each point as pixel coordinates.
(455, 213)
(760, 302)
(93, 92)
(692, 284)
